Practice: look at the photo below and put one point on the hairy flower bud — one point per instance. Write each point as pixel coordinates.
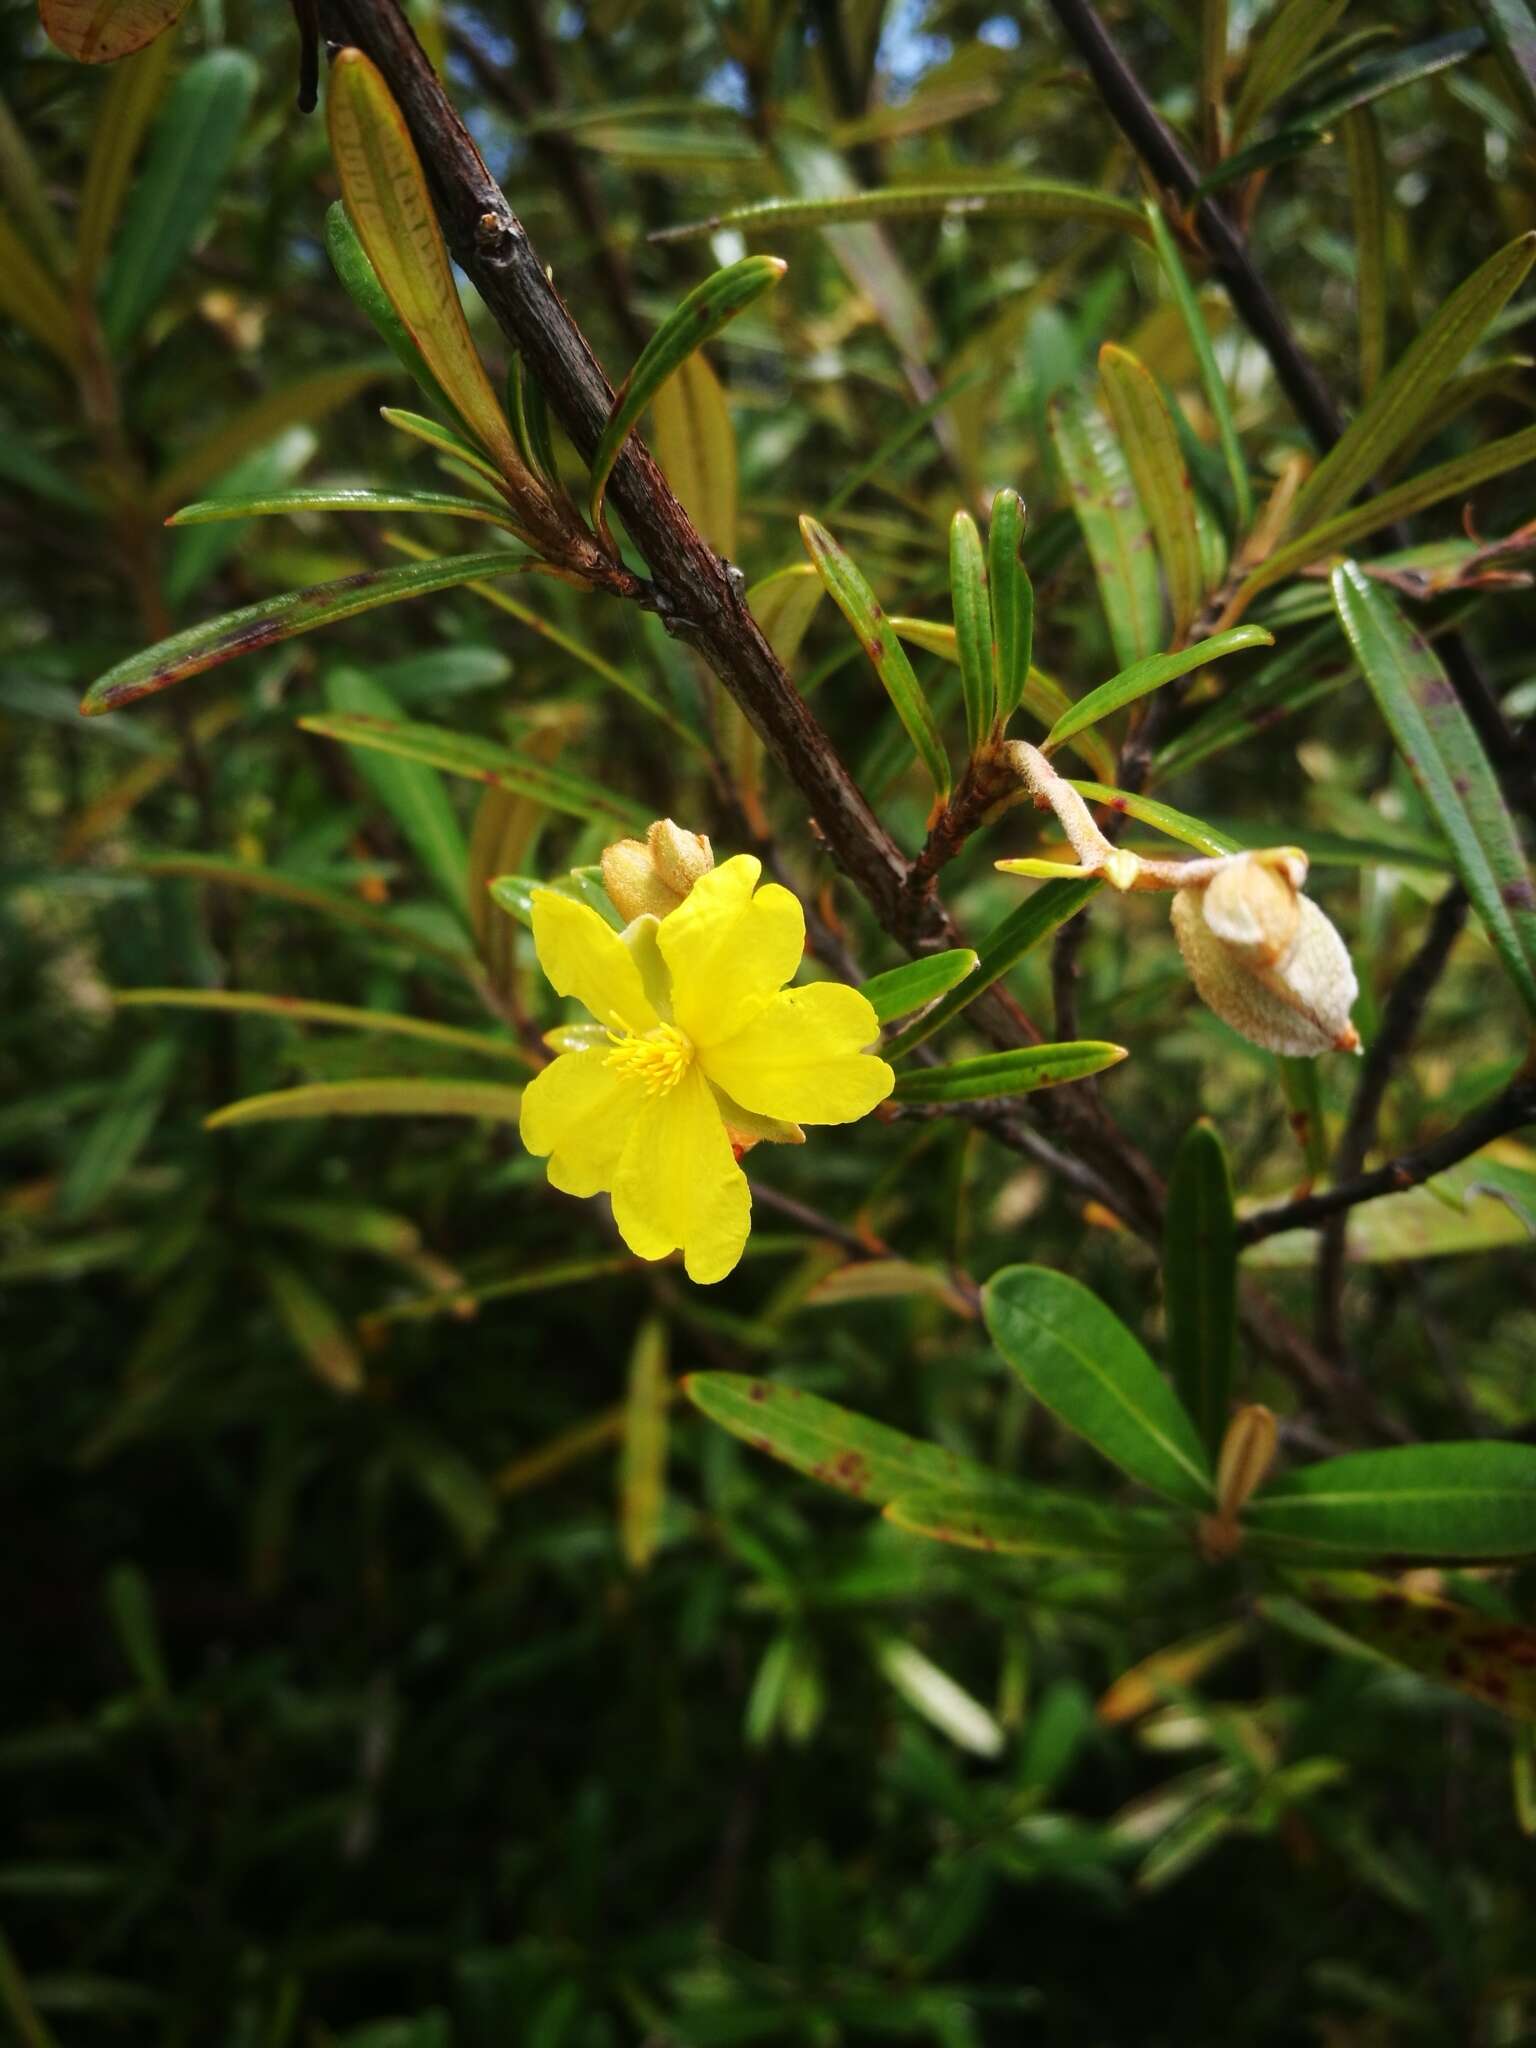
(653, 875)
(1265, 958)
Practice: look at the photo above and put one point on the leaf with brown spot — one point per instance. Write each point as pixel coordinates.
(1489, 1660)
(101, 31)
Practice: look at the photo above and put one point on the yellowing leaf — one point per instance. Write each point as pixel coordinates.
(100, 31)
(695, 444)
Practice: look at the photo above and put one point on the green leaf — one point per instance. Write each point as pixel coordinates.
(784, 604)
(410, 791)
(196, 555)
(1493, 1661)
(1146, 433)
(301, 1010)
(643, 1451)
(1416, 379)
(256, 626)
(1179, 825)
(1038, 1523)
(973, 627)
(1415, 1500)
(1030, 198)
(130, 99)
(191, 150)
(1443, 753)
(484, 761)
(484, 1099)
(1200, 1280)
(360, 281)
(1013, 604)
(1205, 357)
(1016, 1072)
(1144, 676)
(901, 990)
(1081, 1362)
(391, 210)
(1042, 697)
(325, 498)
(1483, 1204)
(1368, 205)
(1291, 34)
(1113, 523)
(30, 297)
(130, 1604)
(859, 606)
(101, 31)
(832, 1444)
(1446, 480)
(1511, 29)
(117, 1136)
(1002, 949)
(1295, 678)
(707, 308)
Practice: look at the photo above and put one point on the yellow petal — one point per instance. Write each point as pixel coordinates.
(677, 1184)
(800, 1058)
(578, 1112)
(729, 951)
(585, 958)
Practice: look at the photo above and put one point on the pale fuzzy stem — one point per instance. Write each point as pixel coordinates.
(1074, 816)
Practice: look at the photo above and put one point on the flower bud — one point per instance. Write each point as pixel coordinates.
(1265, 958)
(654, 874)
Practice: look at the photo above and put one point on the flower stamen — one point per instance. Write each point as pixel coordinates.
(657, 1059)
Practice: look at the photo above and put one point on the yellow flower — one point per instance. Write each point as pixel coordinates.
(698, 1048)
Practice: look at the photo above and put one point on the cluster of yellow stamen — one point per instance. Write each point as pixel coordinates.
(657, 1059)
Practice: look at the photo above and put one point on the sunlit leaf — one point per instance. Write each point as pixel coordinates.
(1151, 447)
(901, 990)
(1211, 379)
(695, 443)
(100, 31)
(1114, 525)
(1012, 598)
(1030, 198)
(973, 627)
(320, 498)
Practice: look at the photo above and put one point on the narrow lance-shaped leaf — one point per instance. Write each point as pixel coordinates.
(411, 791)
(101, 31)
(830, 1443)
(389, 206)
(973, 626)
(487, 1099)
(857, 602)
(1042, 696)
(360, 281)
(1157, 466)
(1148, 675)
(1012, 597)
(1200, 1280)
(1446, 480)
(1293, 31)
(1407, 394)
(695, 443)
(1205, 357)
(252, 428)
(1511, 28)
(1114, 525)
(1002, 949)
(707, 308)
(319, 498)
(484, 761)
(1368, 204)
(1037, 198)
(1039, 1524)
(1493, 1661)
(29, 296)
(909, 987)
(1445, 757)
(256, 626)
(302, 1010)
(1077, 1357)
(643, 1457)
(1016, 1072)
(1465, 1500)
(191, 150)
(314, 1326)
(130, 100)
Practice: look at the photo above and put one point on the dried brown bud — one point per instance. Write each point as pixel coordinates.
(651, 876)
